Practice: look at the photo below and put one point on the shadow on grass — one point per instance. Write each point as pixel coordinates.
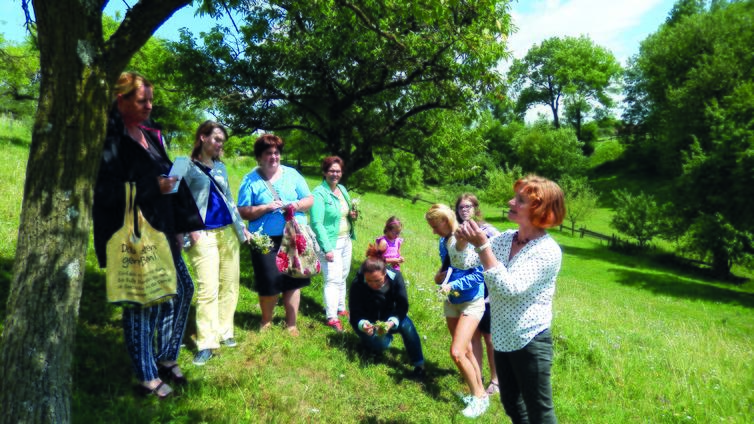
(395, 358)
(670, 285)
(658, 261)
(17, 141)
(100, 363)
(6, 276)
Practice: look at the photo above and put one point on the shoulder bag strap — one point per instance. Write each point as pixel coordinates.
(271, 188)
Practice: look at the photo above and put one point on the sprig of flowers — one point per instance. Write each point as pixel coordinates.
(355, 202)
(382, 328)
(260, 242)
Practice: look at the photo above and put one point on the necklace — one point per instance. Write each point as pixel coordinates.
(518, 241)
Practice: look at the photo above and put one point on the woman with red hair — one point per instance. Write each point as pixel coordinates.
(520, 269)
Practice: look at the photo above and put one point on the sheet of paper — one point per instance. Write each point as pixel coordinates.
(179, 169)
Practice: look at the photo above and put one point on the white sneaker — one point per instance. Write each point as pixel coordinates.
(476, 407)
(465, 398)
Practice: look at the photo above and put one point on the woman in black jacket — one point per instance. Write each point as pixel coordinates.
(379, 309)
(134, 153)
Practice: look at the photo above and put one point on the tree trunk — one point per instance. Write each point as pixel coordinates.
(77, 69)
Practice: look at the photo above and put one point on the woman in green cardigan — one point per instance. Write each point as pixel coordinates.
(332, 219)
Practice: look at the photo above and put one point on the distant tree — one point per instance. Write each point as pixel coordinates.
(77, 68)
(548, 151)
(565, 68)
(359, 77)
(500, 128)
(712, 238)
(684, 8)
(692, 96)
(581, 200)
(637, 216)
(19, 78)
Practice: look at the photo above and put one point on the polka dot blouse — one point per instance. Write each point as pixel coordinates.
(521, 290)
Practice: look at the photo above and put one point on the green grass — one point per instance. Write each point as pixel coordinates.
(636, 341)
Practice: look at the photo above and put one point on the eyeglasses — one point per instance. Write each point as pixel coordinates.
(464, 207)
(333, 171)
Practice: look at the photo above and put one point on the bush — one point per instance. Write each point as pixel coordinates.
(580, 198)
(373, 177)
(239, 146)
(637, 216)
(399, 173)
(499, 188)
(549, 152)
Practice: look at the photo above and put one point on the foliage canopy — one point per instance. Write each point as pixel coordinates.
(691, 99)
(357, 77)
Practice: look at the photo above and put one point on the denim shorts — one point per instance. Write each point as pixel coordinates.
(474, 309)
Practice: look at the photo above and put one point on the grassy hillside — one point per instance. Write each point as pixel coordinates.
(635, 342)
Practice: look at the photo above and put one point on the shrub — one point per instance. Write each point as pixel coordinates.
(637, 216)
(373, 177)
(549, 152)
(581, 200)
(499, 188)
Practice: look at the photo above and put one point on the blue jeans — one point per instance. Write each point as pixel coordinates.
(410, 339)
(524, 376)
(167, 318)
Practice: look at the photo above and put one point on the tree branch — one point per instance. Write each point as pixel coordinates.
(140, 22)
(368, 23)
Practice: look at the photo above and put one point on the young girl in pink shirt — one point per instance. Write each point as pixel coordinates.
(390, 243)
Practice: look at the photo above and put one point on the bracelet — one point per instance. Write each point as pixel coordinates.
(479, 249)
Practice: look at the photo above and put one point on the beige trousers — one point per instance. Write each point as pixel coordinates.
(215, 260)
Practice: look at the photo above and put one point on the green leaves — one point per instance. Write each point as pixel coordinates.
(563, 68)
(358, 77)
(692, 92)
(637, 216)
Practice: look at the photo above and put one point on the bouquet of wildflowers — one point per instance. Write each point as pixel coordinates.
(260, 242)
(381, 327)
(355, 202)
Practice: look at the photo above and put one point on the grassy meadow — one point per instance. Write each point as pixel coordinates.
(637, 340)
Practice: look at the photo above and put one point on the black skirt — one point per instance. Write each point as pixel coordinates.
(268, 280)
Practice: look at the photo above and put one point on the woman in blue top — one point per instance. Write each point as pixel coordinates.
(464, 305)
(214, 251)
(332, 222)
(263, 193)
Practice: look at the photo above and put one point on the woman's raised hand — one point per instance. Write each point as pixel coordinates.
(471, 232)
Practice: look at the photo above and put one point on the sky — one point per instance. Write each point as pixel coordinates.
(618, 25)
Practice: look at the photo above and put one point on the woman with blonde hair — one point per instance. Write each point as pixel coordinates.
(464, 304)
(467, 209)
(135, 153)
(520, 269)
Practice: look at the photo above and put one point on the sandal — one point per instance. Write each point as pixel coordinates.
(161, 392)
(168, 372)
(493, 388)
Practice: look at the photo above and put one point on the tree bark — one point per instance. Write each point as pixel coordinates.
(77, 70)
